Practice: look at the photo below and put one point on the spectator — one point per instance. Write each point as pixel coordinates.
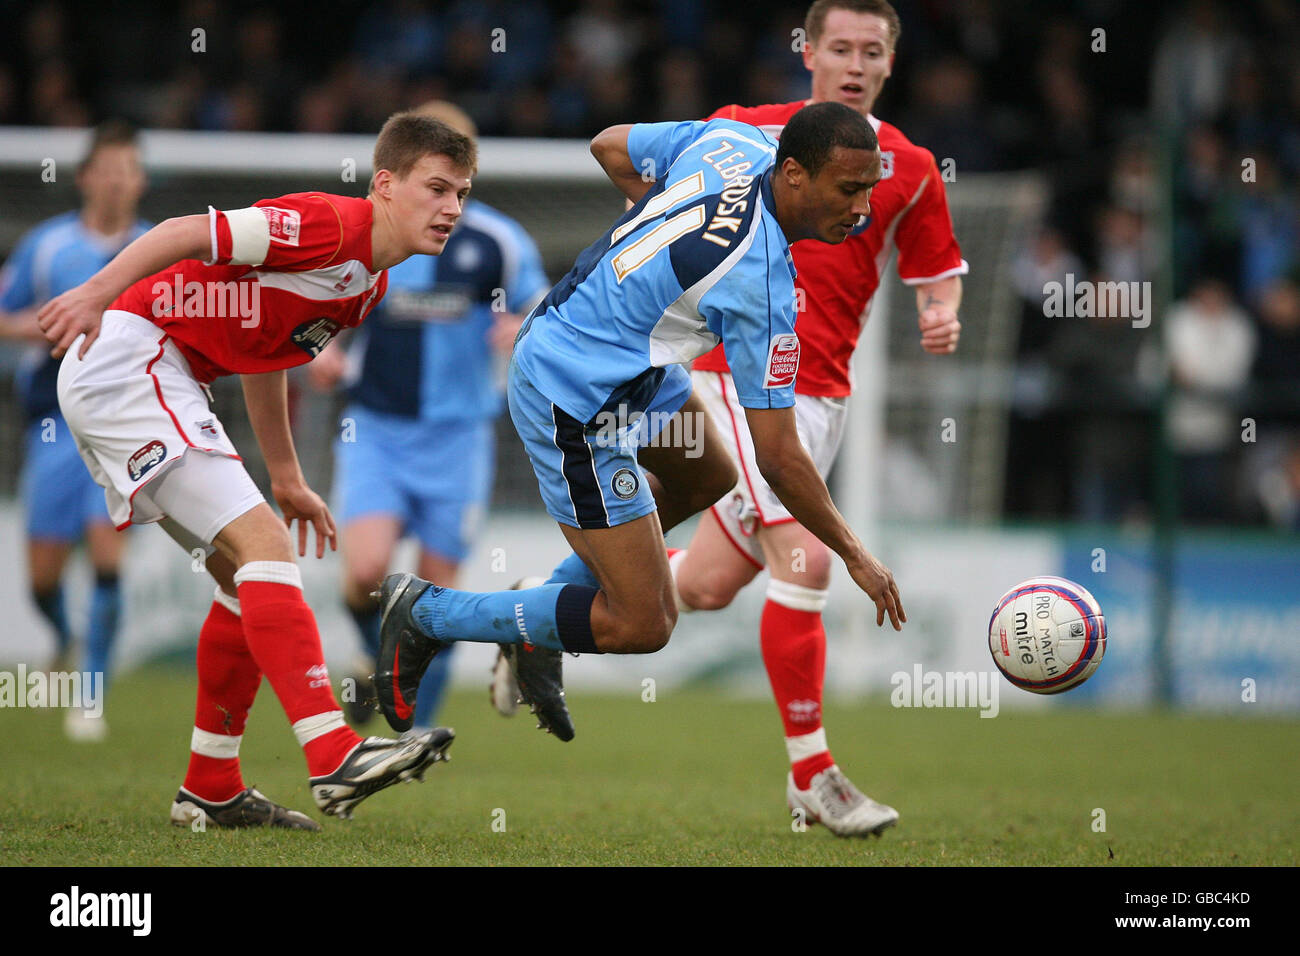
(1210, 342)
(1193, 65)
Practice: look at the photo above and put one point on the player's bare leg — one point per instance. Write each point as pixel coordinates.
(46, 558)
(228, 679)
(104, 546)
(686, 467)
(255, 556)
(367, 544)
(710, 572)
(793, 640)
(688, 464)
(632, 609)
(281, 633)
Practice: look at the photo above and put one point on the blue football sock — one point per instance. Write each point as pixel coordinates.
(101, 633)
(367, 622)
(557, 616)
(573, 570)
(50, 604)
(431, 687)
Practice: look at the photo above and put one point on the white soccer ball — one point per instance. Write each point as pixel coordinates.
(1047, 635)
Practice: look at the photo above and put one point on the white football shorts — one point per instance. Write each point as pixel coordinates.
(752, 503)
(135, 410)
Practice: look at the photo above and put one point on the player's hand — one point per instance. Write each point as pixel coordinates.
(299, 503)
(878, 581)
(325, 371)
(940, 330)
(66, 316)
(504, 329)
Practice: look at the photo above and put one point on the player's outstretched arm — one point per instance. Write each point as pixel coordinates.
(20, 326)
(79, 310)
(267, 399)
(327, 369)
(787, 468)
(936, 313)
(610, 149)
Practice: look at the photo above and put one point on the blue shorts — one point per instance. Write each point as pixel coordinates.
(434, 477)
(60, 496)
(588, 472)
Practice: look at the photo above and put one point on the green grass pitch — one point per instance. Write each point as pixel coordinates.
(692, 778)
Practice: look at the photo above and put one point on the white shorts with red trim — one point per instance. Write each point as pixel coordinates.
(752, 503)
(135, 409)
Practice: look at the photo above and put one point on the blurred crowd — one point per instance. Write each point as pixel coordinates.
(568, 68)
(1221, 360)
(1115, 101)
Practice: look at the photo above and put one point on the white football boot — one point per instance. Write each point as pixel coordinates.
(504, 690)
(83, 727)
(833, 801)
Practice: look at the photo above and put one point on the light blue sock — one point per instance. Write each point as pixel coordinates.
(490, 617)
(101, 633)
(557, 616)
(432, 685)
(573, 570)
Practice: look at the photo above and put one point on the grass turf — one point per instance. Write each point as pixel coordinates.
(693, 778)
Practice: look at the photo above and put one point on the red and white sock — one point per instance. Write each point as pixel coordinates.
(794, 652)
(282, 636)
(228, 682)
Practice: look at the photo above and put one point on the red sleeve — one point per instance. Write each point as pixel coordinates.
(291, 233)
(723, 112)
(927, 248)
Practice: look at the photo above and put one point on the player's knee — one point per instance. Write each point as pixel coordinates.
(647, 633)
(705, 593)
(816, 572)
(655, 633)
(805, 563)
(44, 592)
(361, 578)
(43, 583)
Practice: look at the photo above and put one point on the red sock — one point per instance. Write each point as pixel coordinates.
(228, 682)
(281, 633)
(794, 651)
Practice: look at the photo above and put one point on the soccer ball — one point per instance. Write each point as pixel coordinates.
(1047, 635)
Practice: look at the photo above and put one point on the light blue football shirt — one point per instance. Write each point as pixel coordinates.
(423, 352)
(700, 259)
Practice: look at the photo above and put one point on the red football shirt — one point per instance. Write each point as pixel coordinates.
(909, 208)
(285, 276)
